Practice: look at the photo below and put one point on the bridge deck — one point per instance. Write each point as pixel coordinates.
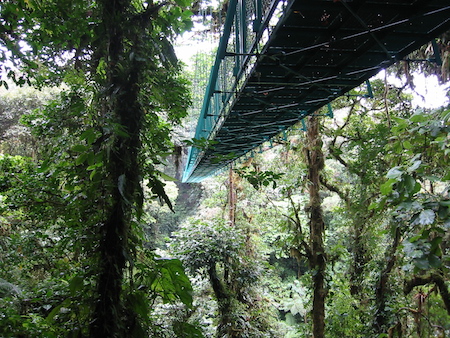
(317, 51)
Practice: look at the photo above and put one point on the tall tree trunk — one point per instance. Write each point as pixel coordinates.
(359, 255)
(382, 290)
(224, 301)
(231, 198)
(317, 261)
(122, 105)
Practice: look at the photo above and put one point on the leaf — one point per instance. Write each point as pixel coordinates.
(297, 307)
(386, 188)
(415, 238)
(90, 135)
(394, 173)
(56, 310)
(121, 184)
(407, 144)
(167, 177)
(79, 148)
(418, 118)
(76, 284)
(81, 159)
(171, 282)
(426, 217)
(158, 189)
(373, 206)
(434, 261)
(187, 14)
(43, 167)
(183, 329)
(443, 212)
(92, 175)
(138, 303)
(422, 263)
(435, 244)
(410, 184)
(183, 3)
(414, 166)
(445, 203)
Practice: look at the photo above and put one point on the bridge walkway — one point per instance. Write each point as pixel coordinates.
(279, 61)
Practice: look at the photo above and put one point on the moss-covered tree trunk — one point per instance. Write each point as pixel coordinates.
(232, 198)
(226, 325)
(122, 106)
(317, 259)
(383, 289)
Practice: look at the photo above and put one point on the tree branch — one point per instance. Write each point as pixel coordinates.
(333, 188)
(427, 279)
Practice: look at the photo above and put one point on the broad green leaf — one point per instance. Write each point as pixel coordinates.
(187, 14)
(434, 261)
(158, 189)
(422, 263)
(139, 304)
(81, 159)
(426, 217)
(407, 144)
(415, 238)
(167, 177)
(94, 176)
(409, 183)
(183, 329)
(76, 284)
(57, 309)
(394, 173)
(183, 3)
(90, 135)
(414, 166)
(443, 212)
(44, 166)
(386, 188)
(79, 148)
(435, 243)
(373, 206)
(418, 118)
(91, 158)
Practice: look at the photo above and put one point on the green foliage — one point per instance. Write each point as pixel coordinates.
(201, 143)
(47, 265)
(259, 178)
(418, 187)
(96, 138)
(201, 245)
(15, 139)
(78, 205)
(229, 259)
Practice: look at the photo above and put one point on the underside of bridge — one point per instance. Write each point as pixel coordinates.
(317, 51)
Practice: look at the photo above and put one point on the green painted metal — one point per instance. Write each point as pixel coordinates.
(279, 61)
(216, 96)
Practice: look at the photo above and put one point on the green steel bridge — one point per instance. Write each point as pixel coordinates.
(280, 60)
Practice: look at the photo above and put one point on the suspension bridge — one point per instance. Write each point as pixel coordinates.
(279, 61)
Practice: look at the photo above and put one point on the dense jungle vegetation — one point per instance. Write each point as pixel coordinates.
(337, 228)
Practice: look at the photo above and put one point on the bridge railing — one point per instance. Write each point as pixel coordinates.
(247, 28)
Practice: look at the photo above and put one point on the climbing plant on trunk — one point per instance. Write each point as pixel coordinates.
(314, 159)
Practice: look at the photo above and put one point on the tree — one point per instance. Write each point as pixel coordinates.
(366, 145)
(417, 191)
(119, 65)
(317, 255)
(223, 250)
